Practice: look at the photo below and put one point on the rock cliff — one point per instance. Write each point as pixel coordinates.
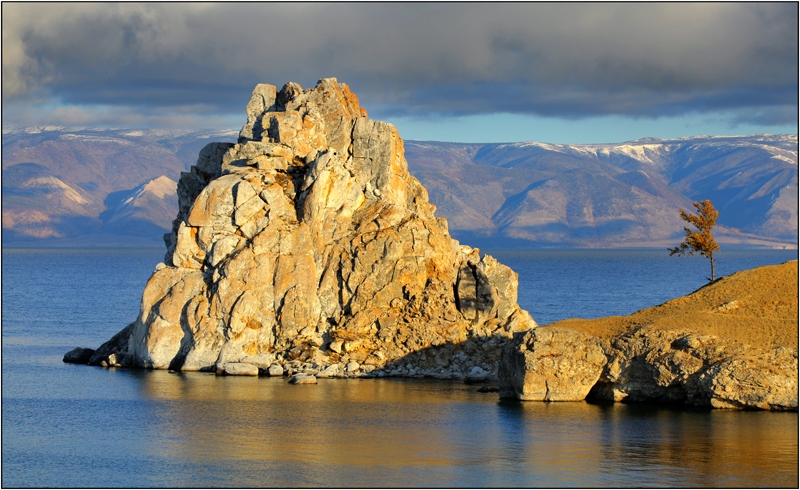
(307, 247)
(731, 344)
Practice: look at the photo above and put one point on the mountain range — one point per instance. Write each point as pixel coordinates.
(612, 195)
(86, 187)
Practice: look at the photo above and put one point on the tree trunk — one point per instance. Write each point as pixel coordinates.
(712, 267)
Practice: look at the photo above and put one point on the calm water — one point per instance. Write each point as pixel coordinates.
(77, 426)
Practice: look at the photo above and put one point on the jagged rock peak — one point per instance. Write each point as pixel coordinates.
(308, 245)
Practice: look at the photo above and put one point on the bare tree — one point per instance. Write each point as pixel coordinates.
(701, 240)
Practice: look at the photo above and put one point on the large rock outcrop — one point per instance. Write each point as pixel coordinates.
(551, 365)
(308, 245)
(731, 344)
(648, 365)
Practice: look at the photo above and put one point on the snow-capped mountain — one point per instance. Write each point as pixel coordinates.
(624, 194)
(64, 185)
(71, 185)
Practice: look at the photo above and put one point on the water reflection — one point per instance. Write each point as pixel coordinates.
(711, 448)
(257, 432)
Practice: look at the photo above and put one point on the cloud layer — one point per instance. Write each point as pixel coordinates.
(168, 62)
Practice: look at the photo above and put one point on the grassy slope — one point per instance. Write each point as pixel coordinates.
(756, 307)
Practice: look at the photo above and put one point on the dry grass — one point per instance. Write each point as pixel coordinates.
(756, 307)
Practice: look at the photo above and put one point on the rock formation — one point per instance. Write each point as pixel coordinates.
(551, 365)
(648, 365)
(731, 344)
(308, 247)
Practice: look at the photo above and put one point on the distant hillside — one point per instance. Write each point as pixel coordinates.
(94, 187)
(117, 187)
(612, 195)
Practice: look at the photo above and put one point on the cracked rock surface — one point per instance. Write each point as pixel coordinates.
(308, 247)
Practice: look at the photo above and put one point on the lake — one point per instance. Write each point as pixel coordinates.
(78, 426)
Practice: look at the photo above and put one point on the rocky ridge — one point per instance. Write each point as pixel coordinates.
(308, 248)
(731, 344)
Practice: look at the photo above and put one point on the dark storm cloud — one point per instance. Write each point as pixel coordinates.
(567, 60)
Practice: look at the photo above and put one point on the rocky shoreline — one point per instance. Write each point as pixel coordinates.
(307, 250)
(551, 363)
(642, 359)
(470, 368)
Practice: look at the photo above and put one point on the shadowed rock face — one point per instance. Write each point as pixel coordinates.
(309, 245)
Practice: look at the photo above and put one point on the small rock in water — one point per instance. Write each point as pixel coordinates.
(237, 369)
(275, 370)
(303, 379)
(114, 359)
(78, 355)
(476, 375)
(488, 389)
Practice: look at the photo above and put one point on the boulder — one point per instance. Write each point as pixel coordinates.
(237, 369)
(262, 361)
(755, 383)
(116, 346)
(550, 364)
(309, 240)
(79, 355)
(476, 375)
(303, 379)
(114, 359)
(329, 372)
(275, 370)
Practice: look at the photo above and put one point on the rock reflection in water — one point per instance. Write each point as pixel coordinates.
(263, 432)
(645, 445)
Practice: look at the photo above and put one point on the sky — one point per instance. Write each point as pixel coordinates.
(462, 72)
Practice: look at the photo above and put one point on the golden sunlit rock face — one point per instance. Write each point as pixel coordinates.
(308, 245)
(730, 344)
